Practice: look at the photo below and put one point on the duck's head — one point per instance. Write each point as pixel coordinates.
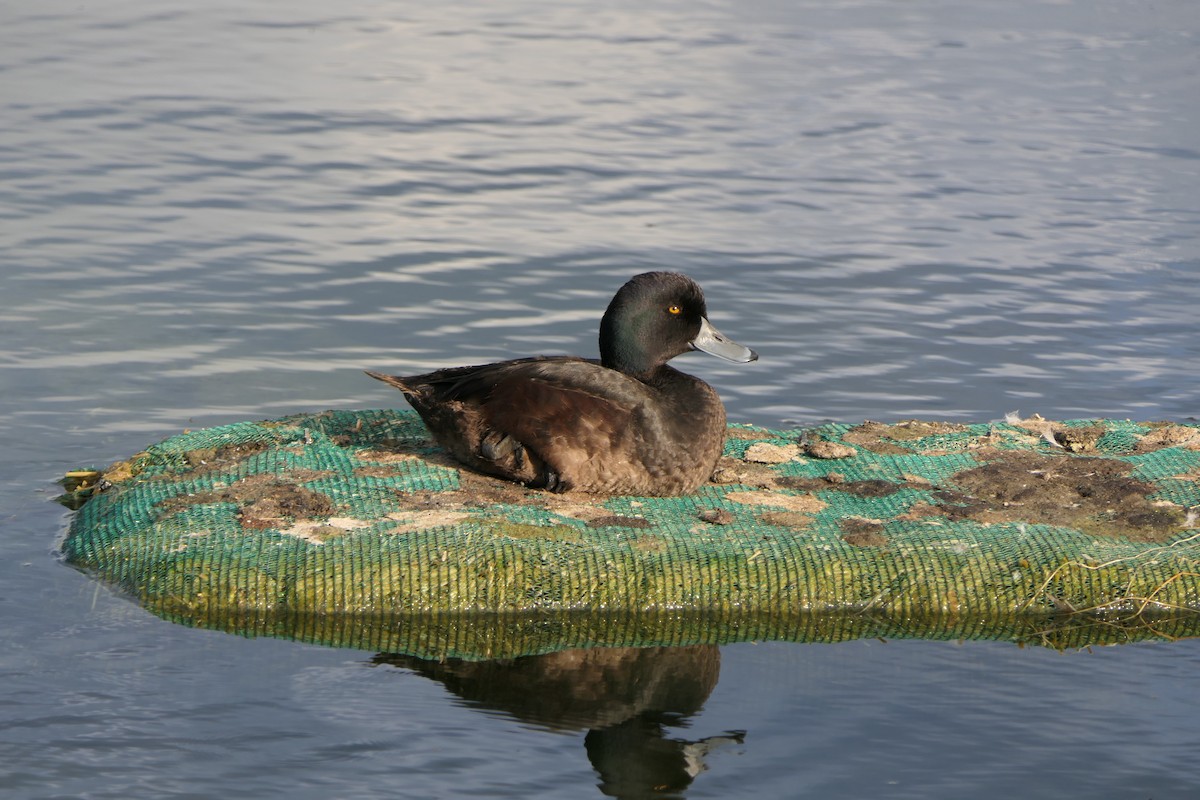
(656, 316)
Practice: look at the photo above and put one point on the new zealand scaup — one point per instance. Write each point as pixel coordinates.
(626, 424)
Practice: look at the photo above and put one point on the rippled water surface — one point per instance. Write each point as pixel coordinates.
(219, 211)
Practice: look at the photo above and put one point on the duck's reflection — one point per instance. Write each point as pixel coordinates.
(627, 699)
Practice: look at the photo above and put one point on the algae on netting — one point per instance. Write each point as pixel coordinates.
(492, 635)
(359, 514)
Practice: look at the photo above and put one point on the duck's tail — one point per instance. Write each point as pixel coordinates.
(391, 380)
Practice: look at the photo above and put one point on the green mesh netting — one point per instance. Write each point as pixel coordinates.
(352, 528)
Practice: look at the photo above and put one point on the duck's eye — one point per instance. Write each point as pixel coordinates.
(674, 310)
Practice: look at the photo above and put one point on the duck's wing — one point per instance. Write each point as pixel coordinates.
(553, 422)
(575, 422)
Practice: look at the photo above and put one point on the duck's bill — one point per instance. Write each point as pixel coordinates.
(713, 342)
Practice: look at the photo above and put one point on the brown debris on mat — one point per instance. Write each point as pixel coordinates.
(265, 501)
(767, 453)
(1096, 496)
(829, 450)
(1166, 434)
(1078, 439)
(862, 532)
(881, 438)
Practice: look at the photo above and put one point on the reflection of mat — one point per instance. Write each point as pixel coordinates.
(348, 526)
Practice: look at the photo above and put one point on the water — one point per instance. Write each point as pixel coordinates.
(226, 211)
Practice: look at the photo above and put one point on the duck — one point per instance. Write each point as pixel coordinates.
(626, 423)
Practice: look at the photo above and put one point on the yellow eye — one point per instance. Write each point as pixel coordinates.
(674, 310)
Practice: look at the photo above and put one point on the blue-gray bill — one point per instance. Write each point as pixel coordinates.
(712, 341)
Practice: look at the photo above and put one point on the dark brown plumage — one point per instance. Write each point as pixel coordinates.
(626, 424)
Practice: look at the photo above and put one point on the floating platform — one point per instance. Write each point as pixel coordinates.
(353, 528)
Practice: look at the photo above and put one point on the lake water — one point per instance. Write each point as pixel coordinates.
(223, 211)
